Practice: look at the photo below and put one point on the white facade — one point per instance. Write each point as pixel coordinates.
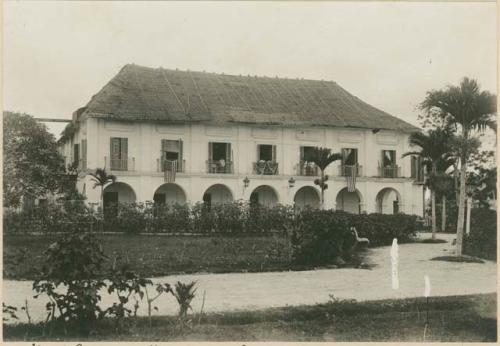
(143, 178)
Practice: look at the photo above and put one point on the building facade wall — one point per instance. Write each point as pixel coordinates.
(144, 146)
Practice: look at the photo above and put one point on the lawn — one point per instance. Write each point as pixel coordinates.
(154, 255)
(451, 319)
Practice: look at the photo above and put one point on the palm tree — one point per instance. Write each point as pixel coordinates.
(467, 108)
(322, 157)
(101, 178)
(434, 150)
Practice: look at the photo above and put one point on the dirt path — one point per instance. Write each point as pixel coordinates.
(247, 291)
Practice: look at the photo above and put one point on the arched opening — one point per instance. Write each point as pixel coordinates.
(169, 193)
(115, 193)
(307, 196)
(217, 194)
(349, 201)
(388, 201)
(264, 195)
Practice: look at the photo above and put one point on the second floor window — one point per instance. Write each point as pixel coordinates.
(219, 157)
(118, 154)
(306, 166)
(388, 168)
(171, 150)
(349, 156)
(388, 158)
(349, 165)
(266, 160)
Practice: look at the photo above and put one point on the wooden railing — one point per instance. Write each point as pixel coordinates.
(347, 170)
(390, 171)
(161, 165)
(120, 164)
(219, 166)
(265, 168)
(307, 169)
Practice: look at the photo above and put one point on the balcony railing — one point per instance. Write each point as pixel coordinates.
(219, 166)
(120, 164)
(390, 171)
(161, 165)
(307, 169)
(348, 170)
(265, 167)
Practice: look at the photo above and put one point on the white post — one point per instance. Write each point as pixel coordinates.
(469, 206)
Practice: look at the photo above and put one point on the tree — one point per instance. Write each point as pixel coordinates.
(101, 178)
(323, 157)
(435, 150)
(468, 109)
(32, 165)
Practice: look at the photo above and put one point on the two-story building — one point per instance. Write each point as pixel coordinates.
(180, 136)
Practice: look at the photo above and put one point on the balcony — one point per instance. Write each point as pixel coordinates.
(307, 169)
(120, 164)
(348, 170)
(265, 167)
(161, 165)
(389, 171)
(219, 167)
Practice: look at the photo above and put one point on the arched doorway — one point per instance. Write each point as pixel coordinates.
(169, 193)
(307, 196)
(115, 193)
(218, 194)
(264, 195)
(388, 201)
(349, 201)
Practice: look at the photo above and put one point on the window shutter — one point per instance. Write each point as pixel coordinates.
(393, 158)
(84, 153)
(274, 154)
(124, 149)
(210, 151)
(114, 151)
(229, 156)
(302, 154)
(355, 156)
(413, 167)
(258, 152)
(181, 151)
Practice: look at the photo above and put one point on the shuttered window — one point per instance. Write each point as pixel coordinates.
(266, 152)
(119, 153)
(349, 156)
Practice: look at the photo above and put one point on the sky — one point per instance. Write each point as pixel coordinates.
(58, 54)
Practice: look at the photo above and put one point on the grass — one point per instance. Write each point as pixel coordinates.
(451, 319)
(156, 256)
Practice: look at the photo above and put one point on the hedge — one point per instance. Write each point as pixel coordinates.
(320, 236)
(236, 217)
(482, 240)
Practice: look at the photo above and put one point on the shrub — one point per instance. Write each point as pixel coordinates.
(482, 240)
(381, 229)
(318, 236)
(69, 279)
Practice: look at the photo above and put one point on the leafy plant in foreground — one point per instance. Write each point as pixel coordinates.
(184, 293)
(70, 280)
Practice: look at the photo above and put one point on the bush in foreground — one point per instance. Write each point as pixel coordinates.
(482, 240)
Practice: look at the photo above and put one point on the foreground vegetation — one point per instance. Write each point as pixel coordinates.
(451, 319)
(156, 255)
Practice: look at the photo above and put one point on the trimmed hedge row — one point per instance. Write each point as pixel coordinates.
(482, 240)
(321, 236)
(324, 226)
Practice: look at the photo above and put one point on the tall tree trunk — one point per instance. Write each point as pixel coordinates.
(322, 190)
(461, 205)
(443, 214)
(433, 206)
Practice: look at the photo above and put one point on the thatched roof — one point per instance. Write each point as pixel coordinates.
(139, 93)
